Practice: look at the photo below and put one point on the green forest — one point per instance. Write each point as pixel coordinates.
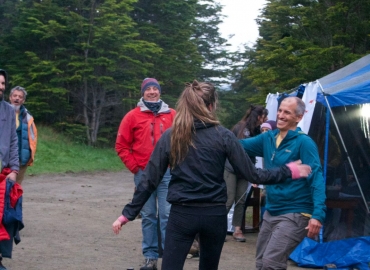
(82, 62)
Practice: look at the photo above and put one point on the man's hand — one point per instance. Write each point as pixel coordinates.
(12, 176)
(313, 228)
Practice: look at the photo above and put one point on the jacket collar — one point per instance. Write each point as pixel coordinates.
(291, 133)
(164, 109)
(201, 125)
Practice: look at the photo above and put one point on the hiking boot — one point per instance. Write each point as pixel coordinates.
(149, 264)
(2, 267)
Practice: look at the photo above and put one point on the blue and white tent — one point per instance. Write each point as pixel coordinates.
(346, 86)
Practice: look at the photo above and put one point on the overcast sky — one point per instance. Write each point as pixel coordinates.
(240, 21)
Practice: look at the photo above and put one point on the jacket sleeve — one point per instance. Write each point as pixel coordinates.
(309, 155)
(32, 139)
(13, 153)
(124, 142)
(253, 146)
(151, 177)
(243, 166)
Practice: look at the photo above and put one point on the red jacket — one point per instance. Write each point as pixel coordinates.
(15, 194)
(139, 132)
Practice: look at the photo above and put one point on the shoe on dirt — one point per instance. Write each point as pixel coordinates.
(149, 264)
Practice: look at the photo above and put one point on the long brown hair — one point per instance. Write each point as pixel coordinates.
(250, 121)
(197, 101)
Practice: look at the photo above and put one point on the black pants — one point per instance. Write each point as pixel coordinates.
(183, 224)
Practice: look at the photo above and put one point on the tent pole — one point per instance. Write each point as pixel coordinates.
(345, 148)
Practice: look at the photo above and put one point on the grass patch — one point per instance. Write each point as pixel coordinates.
(57, 154)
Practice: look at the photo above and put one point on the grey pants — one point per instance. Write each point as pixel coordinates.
(236, 189)
(278, 237)
(21, 173)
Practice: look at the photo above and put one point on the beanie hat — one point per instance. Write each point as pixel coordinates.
(272, 124)
(266, 125)
(149, 82)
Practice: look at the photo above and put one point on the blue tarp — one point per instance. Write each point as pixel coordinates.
(347, 86)
(348, 253)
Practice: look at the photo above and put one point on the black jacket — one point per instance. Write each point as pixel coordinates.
(199, 178)
(236, 130)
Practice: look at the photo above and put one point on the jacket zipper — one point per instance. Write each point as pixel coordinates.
(152, 131)
(273, 156)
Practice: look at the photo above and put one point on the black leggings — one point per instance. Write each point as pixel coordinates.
(183, 224)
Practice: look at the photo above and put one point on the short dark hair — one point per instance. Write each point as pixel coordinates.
(3, 72)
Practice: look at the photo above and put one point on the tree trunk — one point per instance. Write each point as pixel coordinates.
(85, 111)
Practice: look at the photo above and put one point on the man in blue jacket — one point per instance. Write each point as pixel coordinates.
(294, 209)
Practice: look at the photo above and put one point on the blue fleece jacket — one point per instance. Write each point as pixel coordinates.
(292, 196)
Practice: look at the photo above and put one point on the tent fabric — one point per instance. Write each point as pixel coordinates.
(309, 98)
(348, 85)
(271, 105)
(352, 252)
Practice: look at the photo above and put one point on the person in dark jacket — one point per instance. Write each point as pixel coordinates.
(196, 148)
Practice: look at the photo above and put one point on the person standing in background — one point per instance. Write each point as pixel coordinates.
(8, 135)
(268, 125)
(9, 163)
(137, 136)
(26, 131)
(248, 126)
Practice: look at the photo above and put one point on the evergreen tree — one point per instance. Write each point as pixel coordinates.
(170, 25)
(210, 44)
(84, 55)
(303, 40)
(82, 62)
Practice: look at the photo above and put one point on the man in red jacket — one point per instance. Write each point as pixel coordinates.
(138, 133)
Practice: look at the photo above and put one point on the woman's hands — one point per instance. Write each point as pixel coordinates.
(299, 170)
(117, 225)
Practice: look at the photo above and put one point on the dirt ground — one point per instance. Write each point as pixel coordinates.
(68, 220)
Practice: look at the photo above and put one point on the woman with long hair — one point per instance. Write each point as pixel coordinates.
(248, 126)
(196, 148)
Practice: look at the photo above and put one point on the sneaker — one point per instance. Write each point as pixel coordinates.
(149, 264)
(238, 236)
(2, 267)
